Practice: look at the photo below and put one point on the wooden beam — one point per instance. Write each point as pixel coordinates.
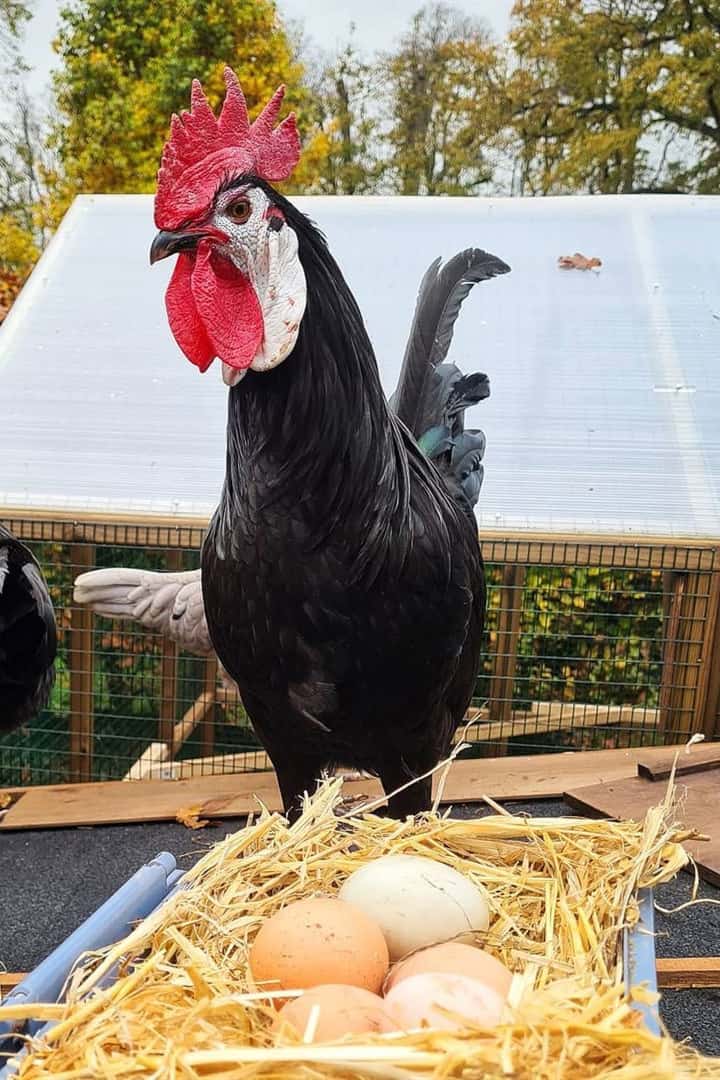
(194, 716)
(508, 635)
(156, 759)
(207, 732)
(81, 664)
(681, 973)
(711, 715)
(686, 658)
(706, 657)
(544, 717)
(688, 972)
(528, 547)
(536, 776)
(152, 762)
(169, 672)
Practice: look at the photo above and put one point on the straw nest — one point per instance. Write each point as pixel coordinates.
(561, 892)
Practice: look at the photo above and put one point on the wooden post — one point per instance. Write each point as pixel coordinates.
(207, 734)
(710, 720)
(505, 660)
(168, 675)
(82, 558)
(686, 671)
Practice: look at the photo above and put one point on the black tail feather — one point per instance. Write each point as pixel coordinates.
(443, 289)
(432, 396)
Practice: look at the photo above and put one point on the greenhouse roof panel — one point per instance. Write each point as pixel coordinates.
(605, 406)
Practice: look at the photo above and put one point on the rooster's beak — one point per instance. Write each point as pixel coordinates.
(170, 243)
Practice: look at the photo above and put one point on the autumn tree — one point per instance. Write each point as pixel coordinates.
(615, 96)
(19, 140)
(443, 86)
(126, 67)
(13, 16)
(685, 88)
(345, 95)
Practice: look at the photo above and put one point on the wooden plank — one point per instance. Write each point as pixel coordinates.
(10, 979)
(632, 798)
(688, 972)
(537, 776)
(696, 759)
(82, 557)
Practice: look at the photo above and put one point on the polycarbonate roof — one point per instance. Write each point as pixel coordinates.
(605, 407)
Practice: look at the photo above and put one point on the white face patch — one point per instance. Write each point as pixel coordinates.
(268, 256)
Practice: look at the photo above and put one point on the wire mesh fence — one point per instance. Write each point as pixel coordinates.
(590, 643)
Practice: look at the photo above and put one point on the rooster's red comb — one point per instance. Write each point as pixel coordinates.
(203, 150)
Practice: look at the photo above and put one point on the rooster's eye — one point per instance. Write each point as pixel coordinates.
(239, 211)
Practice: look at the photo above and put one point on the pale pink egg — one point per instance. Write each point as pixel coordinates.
(439, 1000)
(454, 958)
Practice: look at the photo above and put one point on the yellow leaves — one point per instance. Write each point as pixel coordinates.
(189, 816)
(126, 71)
(18, 250)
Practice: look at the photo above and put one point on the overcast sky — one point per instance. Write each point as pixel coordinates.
(377, 24)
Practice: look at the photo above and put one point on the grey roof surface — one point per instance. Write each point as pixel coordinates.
(605, 386)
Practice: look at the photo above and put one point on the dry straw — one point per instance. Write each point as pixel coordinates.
(561, 891)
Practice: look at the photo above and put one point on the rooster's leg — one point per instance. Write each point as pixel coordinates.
(297, 775)
(413, 800)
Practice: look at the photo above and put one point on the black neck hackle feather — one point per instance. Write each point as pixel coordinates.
(299, 413)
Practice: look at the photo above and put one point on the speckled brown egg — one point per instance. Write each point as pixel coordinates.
(314, 942)
(327, 1013)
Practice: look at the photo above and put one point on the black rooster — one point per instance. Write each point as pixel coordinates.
(342, 576)
(342, 579)
(27, 635)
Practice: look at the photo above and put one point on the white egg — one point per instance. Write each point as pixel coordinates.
(417, 902)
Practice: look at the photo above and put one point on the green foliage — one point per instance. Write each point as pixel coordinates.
(441, 85)
(590, 635)
(613, 96)
(126, 67)
(344, 144)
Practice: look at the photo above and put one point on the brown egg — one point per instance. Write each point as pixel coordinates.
(454, 958)
(335, 1011)
(313, 942)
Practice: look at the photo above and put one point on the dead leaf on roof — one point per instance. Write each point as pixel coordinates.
(578, 262)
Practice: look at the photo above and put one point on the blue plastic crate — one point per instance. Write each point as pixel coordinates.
(135, 900)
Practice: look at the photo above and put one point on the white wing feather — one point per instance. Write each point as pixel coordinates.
(168, 603)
